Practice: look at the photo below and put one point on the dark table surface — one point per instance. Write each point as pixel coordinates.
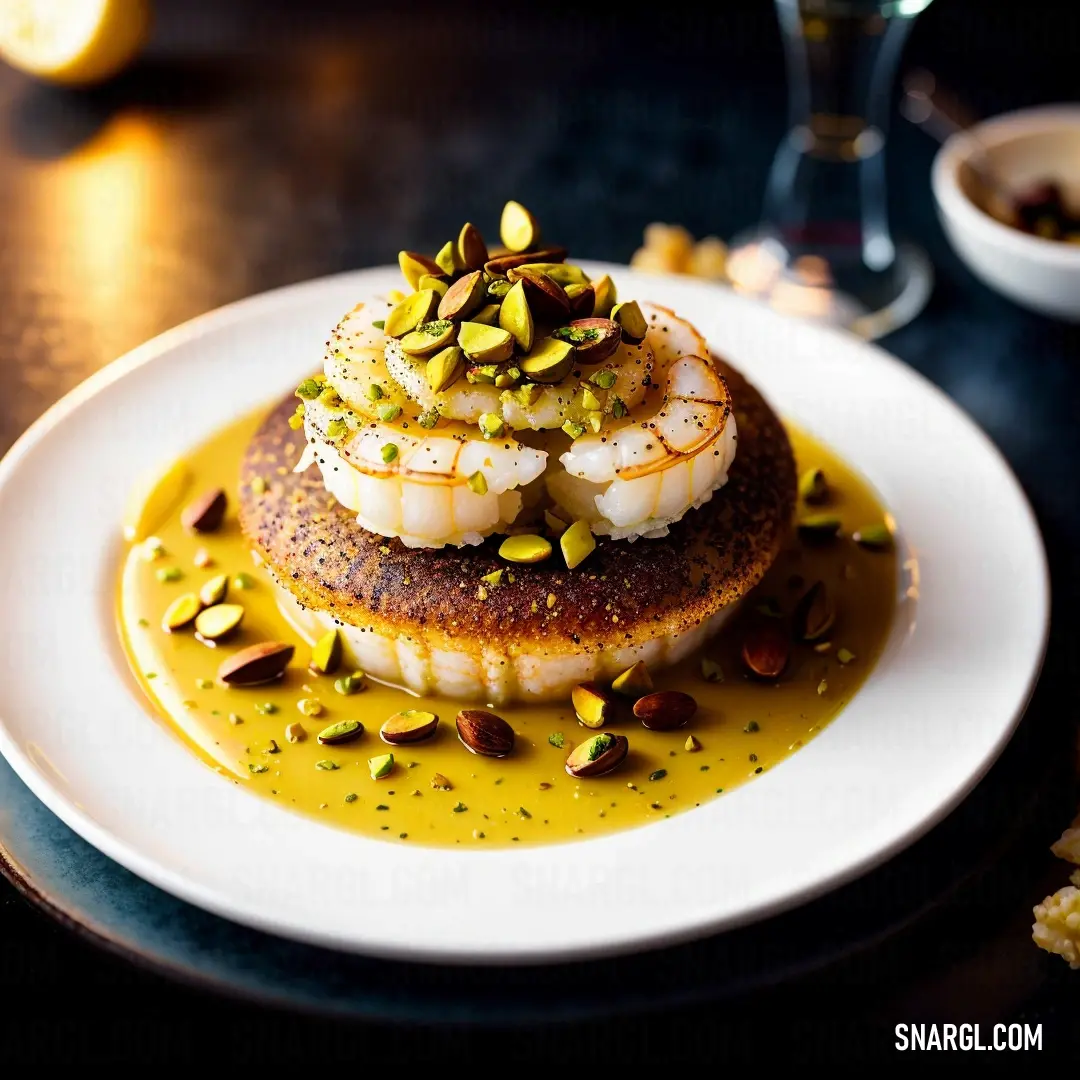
(257, 144)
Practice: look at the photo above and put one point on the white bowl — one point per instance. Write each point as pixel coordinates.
(1023, 148)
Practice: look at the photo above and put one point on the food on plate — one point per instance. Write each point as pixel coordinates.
(1057, 918)
(523, 561)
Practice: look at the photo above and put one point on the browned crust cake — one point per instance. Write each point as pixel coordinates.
(623, 595)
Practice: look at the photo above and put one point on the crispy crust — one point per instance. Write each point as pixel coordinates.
(623, 595)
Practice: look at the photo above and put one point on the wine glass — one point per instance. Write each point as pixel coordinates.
(824, 249)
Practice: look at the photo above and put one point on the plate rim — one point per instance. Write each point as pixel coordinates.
(147, 867)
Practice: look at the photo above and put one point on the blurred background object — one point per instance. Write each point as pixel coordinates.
(824, 249)
(72, 42)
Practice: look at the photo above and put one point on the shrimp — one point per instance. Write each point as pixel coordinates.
(429, 488)
(629, 370)
(354, 364)
(667, 457)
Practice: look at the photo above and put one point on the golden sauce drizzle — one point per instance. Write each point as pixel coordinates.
(744, 727)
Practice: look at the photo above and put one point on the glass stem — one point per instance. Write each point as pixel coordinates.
(826, 190)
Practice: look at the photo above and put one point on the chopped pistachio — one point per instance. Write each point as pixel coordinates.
(658, 775)
(374, 392)
(296, 421)
(310, 706)
(428, 418)
(388, 411)
(845, 656)
(691, 744)
(491, 425)
(494, 578)
(351, 797)
(752, 727)
(577, 544)
(379, 324)
(389, 452)
(618, 408)
(265, 708)
(557, 739)
(309, 390)
(460, 808)
(235, 718)
(295, 733)
(711, 671)
(574, 430)
(588, 399)
(604, 379)
(326, 765)
(204, 684)
(335, 429)
(350, 684)
(823, 686)
(874, 537)
(478, 483)
(169, 573)
(813, 488)
(440, 783)
(258, 768)
(552, 599)
(243, 581)
(330, 397)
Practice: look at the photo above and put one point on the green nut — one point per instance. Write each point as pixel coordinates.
(498, 288)
(563, 273)
(411, 312)
(631, 321)
(518, 229)
(463, 297)
(483, 373)
(516, 318)
(429, 337)
(604, 291)
(507, 378)
(430, 281)
(577, 544)
(549, 361)
(380, 766)
(445, 368)
(604, 379)
(582, 300)
(491, 424)
(488, 315)
(471, 251)
(813, 488)
(485, 344)
(527, 394)
(415, 266)
(447, 259)
(589, 400)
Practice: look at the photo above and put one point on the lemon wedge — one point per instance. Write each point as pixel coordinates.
(154, 497)
(74, 42)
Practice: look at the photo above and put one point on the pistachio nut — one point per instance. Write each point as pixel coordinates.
(491, 424)
(342, 732)
(257, 664)
(819, 528)
(634, 682)
(484, 733)
(594, 340)
(471, 251)
(414, 266)
(549, 361)
(507, 377)
(631, 321)
(463, 297)
(813, 487)
(215, 590)
(556, 525)
(577, 543)
(500, 265)
(873, 537)
(597, 756)
(437, 284)
(593, 705)
(488, 315)
(415, 309)
(181, 612)
(447, 259)
(326, 653)
(205, 514)
(814, 614)
(766, 650)
(665, 710)
(482, 373)
(525, 548)
(445, 368)
(526, 394)
(498, 288)
(428, 338)
(561, 272)
(604, 292)
(582, 300)
(478, 483)
(212, 624)
(380, 766)
(547, 298)
(518, 229)
(485, 344)
(412, 725)
(516, 318)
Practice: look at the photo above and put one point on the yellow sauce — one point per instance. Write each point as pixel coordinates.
(527, 797)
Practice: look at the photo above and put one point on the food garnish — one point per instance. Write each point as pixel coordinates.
(381, 766)
(814, 614)
(326, 653)
(409, 726)
(181, 612)
(874, 537)
(597, 756)
(813, 487)
(215, 623)
(766, 650)
(215, 590)
(484, 733)
(525, 548)
(634, 682)
(665, 710)
(592, 704)
(205, 513)
(257, 664)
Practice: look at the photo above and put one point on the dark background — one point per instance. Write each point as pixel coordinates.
(273, 142)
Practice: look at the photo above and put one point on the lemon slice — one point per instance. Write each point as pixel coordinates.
(154, 497)
(74, 42)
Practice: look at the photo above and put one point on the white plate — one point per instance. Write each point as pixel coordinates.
(934, 715)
